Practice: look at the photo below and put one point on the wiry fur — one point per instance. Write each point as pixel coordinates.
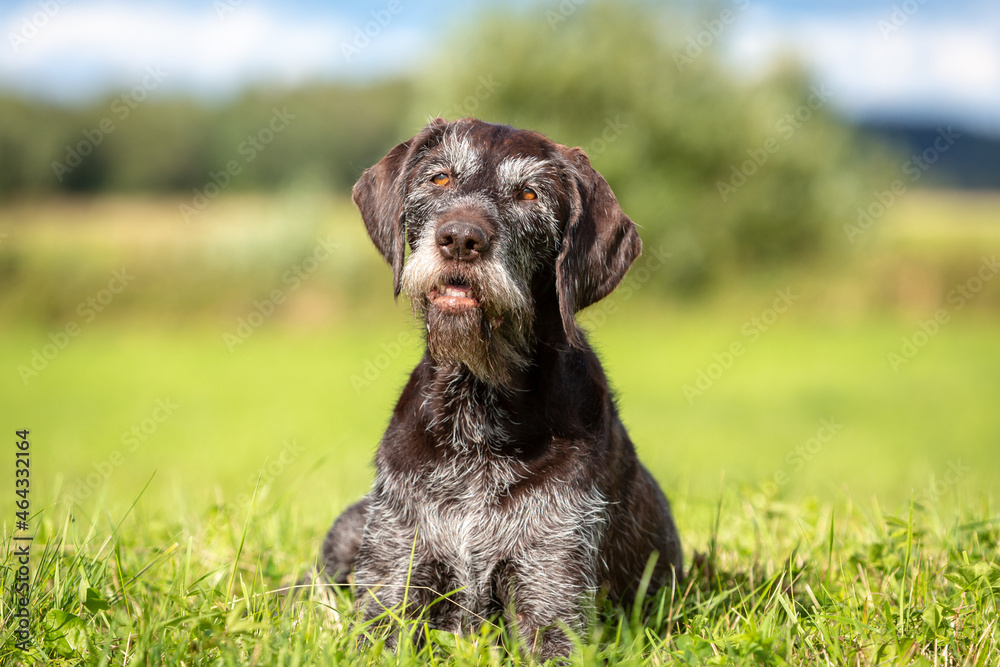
(471, 337)
(505, 480)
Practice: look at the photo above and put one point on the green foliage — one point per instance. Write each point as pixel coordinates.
(333, 131)
(668, 131)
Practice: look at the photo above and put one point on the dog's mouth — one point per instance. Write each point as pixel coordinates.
(453, 295)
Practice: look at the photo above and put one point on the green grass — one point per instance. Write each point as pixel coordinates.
(178, 486)
(801, 583)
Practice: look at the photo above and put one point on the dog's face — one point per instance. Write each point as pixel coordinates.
(493, 217)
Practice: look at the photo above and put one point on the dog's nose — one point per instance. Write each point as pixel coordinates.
(462, 240)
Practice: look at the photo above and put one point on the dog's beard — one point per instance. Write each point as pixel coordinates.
(491, 353)
(492, 340)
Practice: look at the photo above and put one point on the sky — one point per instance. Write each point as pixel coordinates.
(905, 60)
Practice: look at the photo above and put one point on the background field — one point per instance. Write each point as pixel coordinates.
(315, 382)
(323, 371)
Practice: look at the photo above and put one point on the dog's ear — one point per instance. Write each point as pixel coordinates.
(599, 243)
(381, 190)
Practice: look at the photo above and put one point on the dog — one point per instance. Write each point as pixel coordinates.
(505, 481)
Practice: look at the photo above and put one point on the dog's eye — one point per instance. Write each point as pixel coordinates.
(441, 179)
(527, 194)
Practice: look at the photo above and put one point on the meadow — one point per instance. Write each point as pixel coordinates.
(204, 398)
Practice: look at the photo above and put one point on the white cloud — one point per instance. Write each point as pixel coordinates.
(934, 65)
(929, 67)
(87, 46)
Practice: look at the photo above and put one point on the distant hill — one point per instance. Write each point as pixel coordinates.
(972, 162)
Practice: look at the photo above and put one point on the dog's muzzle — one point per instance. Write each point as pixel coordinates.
(460, 243)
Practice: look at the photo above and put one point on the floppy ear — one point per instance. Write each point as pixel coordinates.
(599, 243)
(380, 192)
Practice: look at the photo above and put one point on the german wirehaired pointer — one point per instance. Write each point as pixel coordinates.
(505, 481)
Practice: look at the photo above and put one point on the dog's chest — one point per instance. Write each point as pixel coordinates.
(465, 512)
(471, 507)
(464, 495)
(473, 515)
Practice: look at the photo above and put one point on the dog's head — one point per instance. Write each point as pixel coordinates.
(493, 216)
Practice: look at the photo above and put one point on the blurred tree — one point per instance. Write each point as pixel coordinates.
(333, 132)
(725, 174)
(328, 134)
(32, 136)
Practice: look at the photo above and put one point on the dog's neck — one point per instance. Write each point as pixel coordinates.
(467, 414)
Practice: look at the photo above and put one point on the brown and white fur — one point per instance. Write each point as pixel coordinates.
(505, 478)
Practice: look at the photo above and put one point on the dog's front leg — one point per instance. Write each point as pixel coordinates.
(546, 594)
(385, 565)
(398, 580)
